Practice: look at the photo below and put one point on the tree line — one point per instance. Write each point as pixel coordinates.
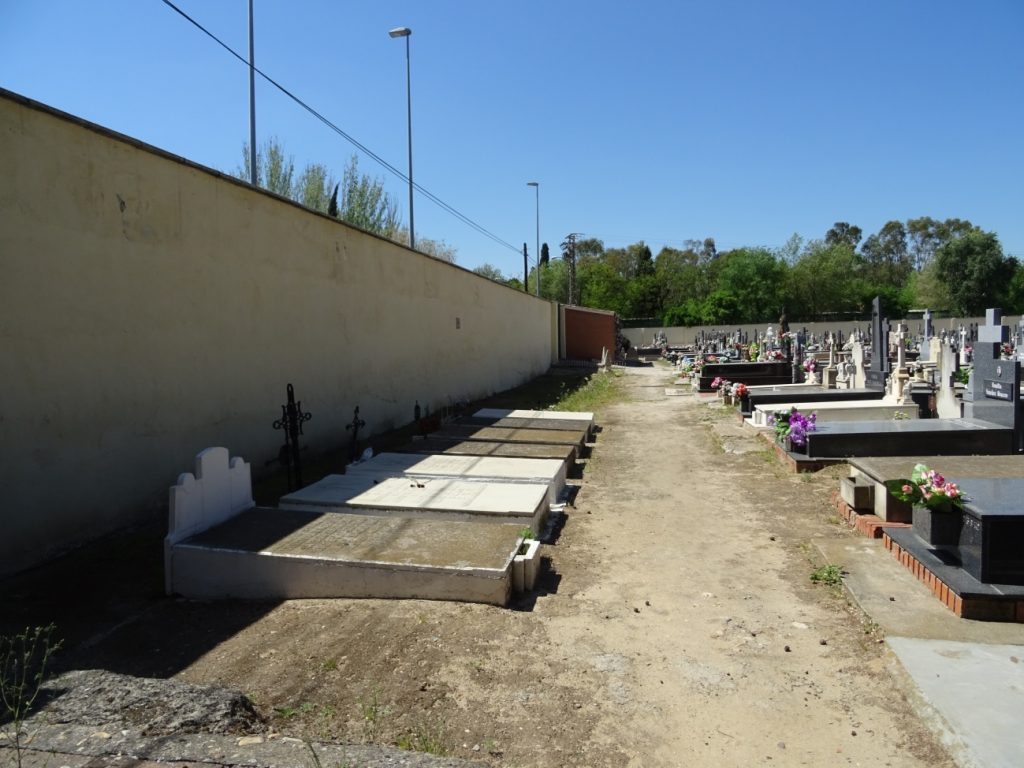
(356, 199)
(949, 264)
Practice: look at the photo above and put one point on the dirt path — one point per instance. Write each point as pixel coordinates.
(678, 627)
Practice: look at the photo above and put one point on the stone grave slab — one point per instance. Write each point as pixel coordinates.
(510, 422)
(523, 413)
(814, 395)
(549, 472)
(425, 499)
(285, 554)
(575, 438)
(457, 447)
(840, 410)
(754, 373)
(879, 469)
(908, 438)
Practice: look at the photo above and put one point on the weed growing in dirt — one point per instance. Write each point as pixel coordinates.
(373, 714)
(23, 662)
(425, 738)
(832, 575)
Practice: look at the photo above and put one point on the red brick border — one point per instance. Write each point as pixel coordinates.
(978, 607)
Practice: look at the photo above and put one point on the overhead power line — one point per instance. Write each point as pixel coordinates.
(352, 140)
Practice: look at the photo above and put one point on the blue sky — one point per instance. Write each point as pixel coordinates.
(743, 120)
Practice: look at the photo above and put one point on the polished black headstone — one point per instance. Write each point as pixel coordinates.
(991, 542)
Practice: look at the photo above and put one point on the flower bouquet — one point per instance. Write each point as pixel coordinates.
(792, 425)
(938, 505)
(739, 389)
(927, 488)
(810, 365)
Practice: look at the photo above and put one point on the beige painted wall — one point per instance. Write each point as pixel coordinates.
(150, 308)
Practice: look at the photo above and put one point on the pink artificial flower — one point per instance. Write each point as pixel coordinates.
(906, 489)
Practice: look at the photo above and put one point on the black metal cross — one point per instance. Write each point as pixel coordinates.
(354, 426)
(292, 418)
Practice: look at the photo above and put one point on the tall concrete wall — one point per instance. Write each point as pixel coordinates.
(150, 308)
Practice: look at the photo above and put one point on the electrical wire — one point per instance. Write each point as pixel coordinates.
(352, 140)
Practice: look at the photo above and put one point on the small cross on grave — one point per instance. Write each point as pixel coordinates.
(355, 425)
(291, 421)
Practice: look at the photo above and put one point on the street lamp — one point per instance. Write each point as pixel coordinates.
(536, 187)
(406, 32)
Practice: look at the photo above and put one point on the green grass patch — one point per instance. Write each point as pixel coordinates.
(832, 575)
(595, 392)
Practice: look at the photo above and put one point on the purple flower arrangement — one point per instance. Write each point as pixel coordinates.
(794, 425)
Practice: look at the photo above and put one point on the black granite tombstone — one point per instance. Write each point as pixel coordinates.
(875, 376)
(993, 393)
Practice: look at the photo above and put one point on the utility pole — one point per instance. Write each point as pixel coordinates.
(526, 271)
(569, 254)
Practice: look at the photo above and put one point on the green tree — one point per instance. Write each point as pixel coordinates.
(750, 286)
(975, 271)
(274, 169)
(491, 272)
(886, 257)
(601, 287)
(554, 281)
(844, 233)
(926, 235)
(365, 203)
(313, 188)
(824, 279)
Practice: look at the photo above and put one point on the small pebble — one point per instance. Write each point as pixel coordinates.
(787, 649)
(823, 641)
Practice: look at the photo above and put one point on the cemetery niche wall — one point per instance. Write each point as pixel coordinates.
(152, 307)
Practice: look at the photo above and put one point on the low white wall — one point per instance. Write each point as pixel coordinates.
(685, 335)
(150, 308)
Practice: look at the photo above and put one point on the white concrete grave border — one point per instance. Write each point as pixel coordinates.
(218, 490)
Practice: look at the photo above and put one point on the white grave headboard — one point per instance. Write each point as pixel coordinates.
(217, 491)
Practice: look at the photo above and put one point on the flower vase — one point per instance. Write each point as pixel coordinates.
(939, 526)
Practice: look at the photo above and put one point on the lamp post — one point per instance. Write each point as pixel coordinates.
(406, 32)
(536, 187)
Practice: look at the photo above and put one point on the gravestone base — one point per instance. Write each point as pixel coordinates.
(940, 529)
(958, 590)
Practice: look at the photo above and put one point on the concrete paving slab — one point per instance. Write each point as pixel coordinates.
(425, 499)
(457, 447)
(278, 553)
(550, 472)
(898, 602)
(977, 689)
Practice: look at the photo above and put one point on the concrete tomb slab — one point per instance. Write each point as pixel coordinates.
(522, 413)
(908, 438)
(425, 499)
(575, 438)
(457, 447)
(840, 410)
(283, 554)
(880, 469)
(219, 546)
(550, 472)
(814, 395)
(510, 422)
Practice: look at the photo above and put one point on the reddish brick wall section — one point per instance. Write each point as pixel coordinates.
(587, 331)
